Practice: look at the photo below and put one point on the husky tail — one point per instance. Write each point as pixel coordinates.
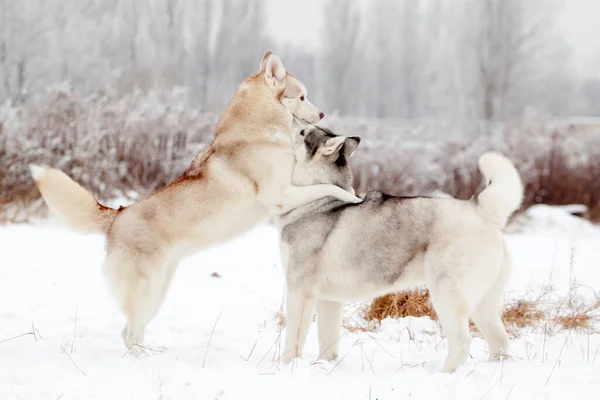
(503, 192)
(73, 205)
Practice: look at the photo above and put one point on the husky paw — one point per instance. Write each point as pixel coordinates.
(356, 200)
(137, 351)
(499, 356)
(287, 358)
(322, 364)
(329, 356)
(159, 349)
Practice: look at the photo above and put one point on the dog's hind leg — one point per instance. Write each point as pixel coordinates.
(141, 292)
(329, 323)
(299, 312)
(488, 315)
(453, 313)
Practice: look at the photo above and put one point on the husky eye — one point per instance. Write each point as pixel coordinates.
(301, 98)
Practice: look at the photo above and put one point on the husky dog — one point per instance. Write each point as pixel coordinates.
(334, 252)
(241, 178)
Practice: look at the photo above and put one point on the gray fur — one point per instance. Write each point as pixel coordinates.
(334, 251)
(381, 235)
(374, 249)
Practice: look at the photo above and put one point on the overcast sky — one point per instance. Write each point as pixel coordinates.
(579, 22)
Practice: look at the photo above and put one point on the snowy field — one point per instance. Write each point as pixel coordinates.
(218, 337)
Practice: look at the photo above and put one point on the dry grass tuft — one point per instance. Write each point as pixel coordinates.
(360, 325)
(522, 313)
(413, 303)
(578, 315)
(574, 321)
(545, 312)
(572, 312)
(280, 319)
(355, 321)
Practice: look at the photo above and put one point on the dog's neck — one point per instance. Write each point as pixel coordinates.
(255, 111)
(321, 205)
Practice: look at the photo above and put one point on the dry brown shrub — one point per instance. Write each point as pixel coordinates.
(280, 319)
(117, 144)
(112, 145)
(574, 321)
(572, 312)
(578, 314)
(566, 313)
(593, 213)
(355, 321)
(522, 313)
(558, 166)
(360, 325)
(414, 303)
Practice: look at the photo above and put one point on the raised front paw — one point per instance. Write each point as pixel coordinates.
(356, 200)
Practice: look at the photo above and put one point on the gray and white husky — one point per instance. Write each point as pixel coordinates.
(333, 251)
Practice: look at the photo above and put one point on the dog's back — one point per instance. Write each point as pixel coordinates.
(363, 247)
(378, 245)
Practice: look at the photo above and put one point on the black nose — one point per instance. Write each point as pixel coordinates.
(302, 132)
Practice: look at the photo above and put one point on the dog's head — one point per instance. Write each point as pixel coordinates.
(321, 157)
(288, 90)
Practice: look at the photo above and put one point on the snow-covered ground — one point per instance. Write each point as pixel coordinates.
(222, 334)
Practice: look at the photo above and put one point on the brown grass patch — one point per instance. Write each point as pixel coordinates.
(577, 315)
(571, 313)
(280, 318)
(541, 313)
(413, 303)
(574, 321)
(522, 313)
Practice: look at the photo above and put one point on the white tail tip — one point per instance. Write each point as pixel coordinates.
(37, 172)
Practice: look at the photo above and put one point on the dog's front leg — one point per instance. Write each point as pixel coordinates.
(296, 196)
(299, 312)
(329, 323)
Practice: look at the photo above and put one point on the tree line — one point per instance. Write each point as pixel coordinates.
(436, 59)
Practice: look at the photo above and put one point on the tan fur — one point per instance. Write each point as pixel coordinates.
(237, 181)
(79, 211)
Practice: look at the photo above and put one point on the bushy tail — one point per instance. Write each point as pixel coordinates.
(73, 205)
(504, 191)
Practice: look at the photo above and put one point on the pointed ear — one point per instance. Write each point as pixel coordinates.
(263, 61)
(274, 70)
(350, 145)
(332, 145)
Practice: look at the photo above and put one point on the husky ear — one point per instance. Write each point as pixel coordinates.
(274, 70)
(350, 145)
(263, 61)
(332, 145)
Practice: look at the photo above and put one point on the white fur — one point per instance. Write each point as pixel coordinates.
(303, 109)
(37, 172)
(505, 193)
(332, 145)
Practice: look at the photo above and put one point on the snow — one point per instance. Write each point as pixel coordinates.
(222, 335)
(556, 219)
